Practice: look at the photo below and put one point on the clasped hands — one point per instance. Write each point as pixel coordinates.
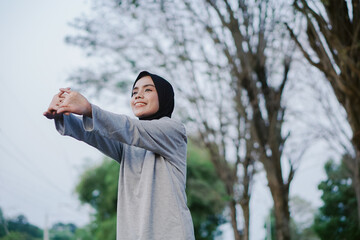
(66, 102)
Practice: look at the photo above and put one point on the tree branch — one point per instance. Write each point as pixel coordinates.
(306, 55)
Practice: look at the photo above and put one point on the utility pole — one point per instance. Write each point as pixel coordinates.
(46, 231)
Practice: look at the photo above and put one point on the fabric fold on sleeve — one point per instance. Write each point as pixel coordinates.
(80, 129)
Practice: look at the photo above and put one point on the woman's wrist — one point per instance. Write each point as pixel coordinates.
(89, 111)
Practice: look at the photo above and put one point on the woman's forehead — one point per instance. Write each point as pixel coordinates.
(146, 80)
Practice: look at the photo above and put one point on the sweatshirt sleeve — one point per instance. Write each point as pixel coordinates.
(164, 136)
(73, 126)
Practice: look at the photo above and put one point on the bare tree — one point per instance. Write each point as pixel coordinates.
(228, 61)
(252, 79)
(333, 47)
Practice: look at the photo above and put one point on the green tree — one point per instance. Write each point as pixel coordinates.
(18, 236)
(270, 226)
(337, 218)
(98, 187)
(61, 231)
(4, 228)
(18, 228)
(84, 233)
(205, 193)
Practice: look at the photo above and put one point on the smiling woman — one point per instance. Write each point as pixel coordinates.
(151, 151)
(164, 92)
(144, 99)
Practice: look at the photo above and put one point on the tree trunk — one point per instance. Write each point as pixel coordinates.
(356, 185)
(280, 195)
(237, 235)
(246, 212)
(282, 215)
(355, 177)
(353, 111)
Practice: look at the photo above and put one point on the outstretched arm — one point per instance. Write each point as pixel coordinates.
(73, 126)
(66, 102)
(165, 136)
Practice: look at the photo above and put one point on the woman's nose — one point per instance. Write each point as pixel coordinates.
(139, 95)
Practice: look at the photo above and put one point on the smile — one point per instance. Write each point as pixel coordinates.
(139, 104)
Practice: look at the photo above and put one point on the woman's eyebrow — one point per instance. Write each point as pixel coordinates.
(146, 85)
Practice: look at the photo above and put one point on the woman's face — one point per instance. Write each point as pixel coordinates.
(144, 100)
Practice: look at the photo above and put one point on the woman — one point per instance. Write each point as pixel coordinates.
(151, 152)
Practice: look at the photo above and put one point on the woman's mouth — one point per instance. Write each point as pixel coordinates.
(139, 104)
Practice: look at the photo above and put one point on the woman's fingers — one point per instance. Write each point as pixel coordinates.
(67, 101)
(50, 115)
(57, 102)
(65, 90)
(62, 110)
(65, 109)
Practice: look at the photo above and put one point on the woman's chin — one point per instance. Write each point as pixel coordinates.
(141, 115)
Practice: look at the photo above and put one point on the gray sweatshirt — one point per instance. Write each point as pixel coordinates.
(152, 157)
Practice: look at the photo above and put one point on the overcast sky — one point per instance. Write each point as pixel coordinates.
(38, 167)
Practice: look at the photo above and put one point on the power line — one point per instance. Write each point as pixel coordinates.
(39, 130)
(22, 163)
(29, 168)
(39, 203)
(21, 189)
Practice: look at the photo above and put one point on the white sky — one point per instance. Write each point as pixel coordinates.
(38, 167)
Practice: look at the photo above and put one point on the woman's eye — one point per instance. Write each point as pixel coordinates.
(134, 93)
(148, 90)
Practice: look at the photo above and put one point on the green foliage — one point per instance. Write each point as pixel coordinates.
(108, 229)
(3, 224)
(18, 229)
(18, 236)
(84, 233)
(270, 226)
(206, 194)
(337, 218)
(20, 226)
(98, 187)
(206, 197)
(61, 231)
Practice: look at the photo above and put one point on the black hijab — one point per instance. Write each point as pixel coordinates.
(165, 94)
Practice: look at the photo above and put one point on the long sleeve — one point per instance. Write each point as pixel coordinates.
(152, 176)
(164, 136)
(74, 127)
